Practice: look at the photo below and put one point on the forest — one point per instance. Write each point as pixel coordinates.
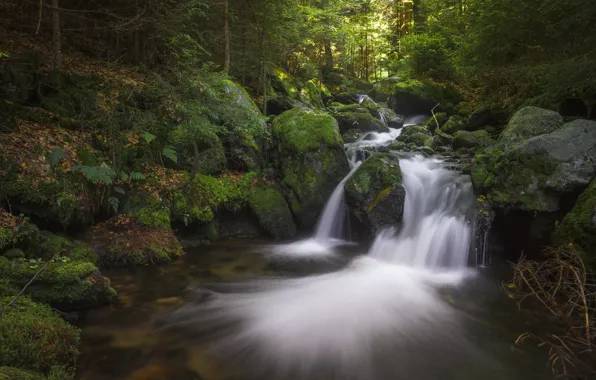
(139, 138)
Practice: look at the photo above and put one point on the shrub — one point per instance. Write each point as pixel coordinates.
(427, 55)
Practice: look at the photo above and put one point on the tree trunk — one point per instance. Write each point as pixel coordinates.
(56, 37)
(227, 36)
(328, 56)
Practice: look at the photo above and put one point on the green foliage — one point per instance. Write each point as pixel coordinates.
(56, 155)
(153, 218)
(98, 175)
(427, 55)
(35, 338)
(170, 153)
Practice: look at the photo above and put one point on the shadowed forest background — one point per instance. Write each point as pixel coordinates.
(131, 130)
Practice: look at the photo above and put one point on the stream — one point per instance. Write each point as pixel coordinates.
(410, 306)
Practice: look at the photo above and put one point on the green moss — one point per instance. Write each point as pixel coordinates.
(153, 218)
(14, 253)
(6, 238)
(314, 91)
(578, 226)
(35, 338)
(287, 83)
(374, 176)
(303, 130)
(11, 373)
(272, 211)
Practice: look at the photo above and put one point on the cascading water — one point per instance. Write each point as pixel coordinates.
(382, 317)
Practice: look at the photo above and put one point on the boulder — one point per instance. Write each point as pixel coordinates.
(383, 89)
(414, 97)
(284, 84)
(471, 140)
(315, 93)
(480, 118)
(375, 195)
(453, 125)
(242, 152)
(534, 174)
(579, 225)
(441, 139)
(352, 136)
(310, 156)
(530, 122)
(416, 135)
(363, 121)
(272, 211)
(392, 119)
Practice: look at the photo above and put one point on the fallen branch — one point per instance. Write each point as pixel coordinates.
(435, 116)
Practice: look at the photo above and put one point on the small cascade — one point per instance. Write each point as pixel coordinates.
(362, 98)
(331, 223)
(436, 229)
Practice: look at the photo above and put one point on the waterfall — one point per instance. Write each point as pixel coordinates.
(331, 223)
(436, 229)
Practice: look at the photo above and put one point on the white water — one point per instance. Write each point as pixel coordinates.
(380, 318)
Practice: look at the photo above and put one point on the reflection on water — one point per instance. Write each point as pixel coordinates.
(120, 341)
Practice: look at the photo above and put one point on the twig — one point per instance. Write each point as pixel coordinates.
(435, 116)
(27, 285)
(39, 18)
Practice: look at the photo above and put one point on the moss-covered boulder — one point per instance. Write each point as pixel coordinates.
(198, 146)
(284, 84)
(415, 135)
(34, 338)
(242, 152)
(272, 211)
(535, 174)
(375, 195)
(352, 135)
(63, 283)
(414, 97)
(315, 93)
(383, 89)
(123, 241)
(363, 121)
(530, 122)
(472, 140)
(11, 373)
(579, 226)
(311, 160)
(453, 124)
(441, 140)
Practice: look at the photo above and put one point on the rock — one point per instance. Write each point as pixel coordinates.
(198, 146)
(479, 119)
(360, 86)
(284, 84)
(471, 140)
(453, 125)
(314, 92)
(579, 225)
(535, 174)
(280, 104)
(375, 195)
(435, 122)
(425, 151)
(237, 111)
(365, 122)
(413, 97)
(122, 241)
(63, 284)
(392, 119)
(352, 136)
(383, 89)
(416, 135)
(530, 122)
(273, 212)
(311, 159)
(35, 338)
(399, 146)
(242, 152)
(441, 139)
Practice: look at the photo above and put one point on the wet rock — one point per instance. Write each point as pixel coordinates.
(531, 122)
(272, 211)
(471, 140)
(375, 195)
(310, 154)
(363, 121)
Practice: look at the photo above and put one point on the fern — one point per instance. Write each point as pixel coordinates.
(123, 177)
(136, 176)
(148, 137)
(119, 190)
(114, 203)
(56, 155)
(170, 153)
(98, 175)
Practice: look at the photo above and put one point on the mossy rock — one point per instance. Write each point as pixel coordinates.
(418, 97)
(54, 245)
(62, 283)
(237, 111)
(453, 125)
(314, 92)
(375, 195)
(311, 159)
(34, 338)
(122, 242)
(531, 122)
(242, 152)
(363, 121)
(272, 211)
(11, 373)
(579, 226)
(471, 140)
(284, 83)
(198, 146)
(441, 139)
(352, 136)
(415, 135)
(383, 89)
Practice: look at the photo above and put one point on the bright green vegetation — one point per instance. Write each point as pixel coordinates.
(34, 338)
(273, 212)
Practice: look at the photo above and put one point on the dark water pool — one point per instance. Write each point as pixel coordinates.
(120, 341)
